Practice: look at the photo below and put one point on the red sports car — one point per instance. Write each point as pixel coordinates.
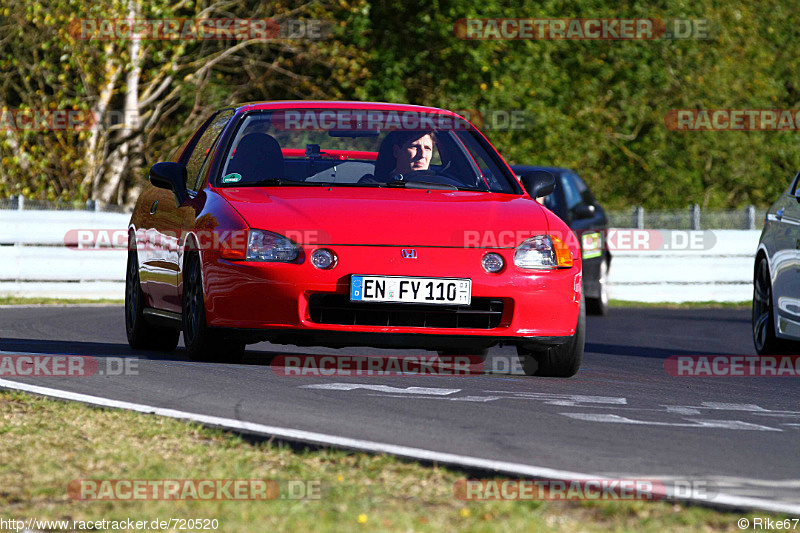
(351, 224)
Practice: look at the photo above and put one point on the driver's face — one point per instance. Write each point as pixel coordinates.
(414, 155)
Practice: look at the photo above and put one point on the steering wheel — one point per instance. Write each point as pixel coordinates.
(455, 180)
(369, 179)
(438, 177)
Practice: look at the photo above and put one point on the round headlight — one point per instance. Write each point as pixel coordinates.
(323, 258)
(493, 263)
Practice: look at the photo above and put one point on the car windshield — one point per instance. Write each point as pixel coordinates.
(361, 148)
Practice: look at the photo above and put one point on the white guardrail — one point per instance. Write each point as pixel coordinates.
(34, 262)
(722, 273)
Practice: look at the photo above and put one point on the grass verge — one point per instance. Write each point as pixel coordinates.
(682, 305)
(18, 300)
(48, 443)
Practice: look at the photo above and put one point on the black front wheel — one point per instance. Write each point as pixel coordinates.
(560, 361)
(763, 317)
(202, 342)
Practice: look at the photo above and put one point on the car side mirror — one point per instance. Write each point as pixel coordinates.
(583, 211)
(171, 176)
(538, 183)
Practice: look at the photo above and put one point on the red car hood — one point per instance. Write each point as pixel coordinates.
(399, 217)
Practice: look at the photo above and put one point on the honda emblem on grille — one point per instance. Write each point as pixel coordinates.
(408, 253)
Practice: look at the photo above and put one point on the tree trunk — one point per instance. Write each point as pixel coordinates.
(122, 164)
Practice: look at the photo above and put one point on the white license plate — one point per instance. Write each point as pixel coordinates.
(445, 291)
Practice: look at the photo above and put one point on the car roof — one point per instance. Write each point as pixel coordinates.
(330, 104)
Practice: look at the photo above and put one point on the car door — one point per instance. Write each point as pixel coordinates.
(579, 202)
(599, 220)
(161, 264)
(590, 229)
(155, 236)
(574, 204)
(156, 273)
(197, 167)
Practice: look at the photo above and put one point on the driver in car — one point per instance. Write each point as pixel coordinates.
(412, 151)
(402, 153)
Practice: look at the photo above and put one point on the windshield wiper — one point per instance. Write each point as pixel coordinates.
(421, 185)
(277, 182)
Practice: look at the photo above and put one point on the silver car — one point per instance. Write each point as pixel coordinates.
(776, 278)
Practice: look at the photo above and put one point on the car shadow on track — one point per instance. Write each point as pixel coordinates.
(255, 357)
(643, 351)
(262, 357)
(53, 347)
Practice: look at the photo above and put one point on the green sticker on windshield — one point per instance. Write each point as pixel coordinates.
(231, 178)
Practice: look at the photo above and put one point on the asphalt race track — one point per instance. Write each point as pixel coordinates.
(622, 416)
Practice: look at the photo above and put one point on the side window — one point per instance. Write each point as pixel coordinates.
(198, 161)
(795, 185)
(572, 195)
(586, 194)
(489, 171)
(551, 200)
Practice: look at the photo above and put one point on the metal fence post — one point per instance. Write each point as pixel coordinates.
(638, 217)
(20, 202)
(750, 217)
(694, 217)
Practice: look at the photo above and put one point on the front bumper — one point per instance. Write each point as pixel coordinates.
(270, 301)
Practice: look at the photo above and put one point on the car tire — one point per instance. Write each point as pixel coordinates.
(599, 305)
(763, 317)
(561, 361)
(202, 342)
(141, 334)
